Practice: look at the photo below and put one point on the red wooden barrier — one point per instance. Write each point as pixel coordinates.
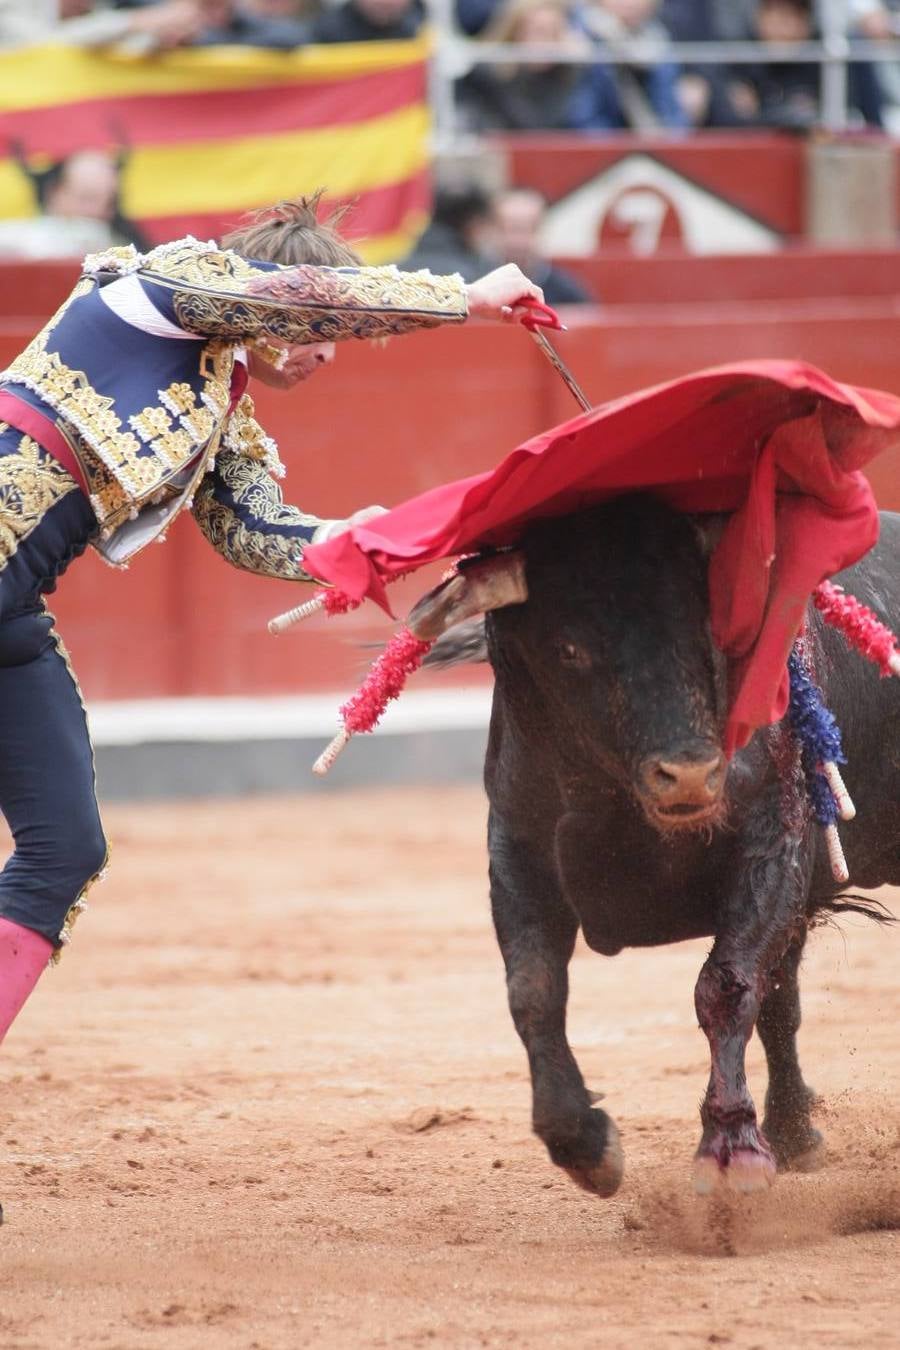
(761, 177)
(668, 278)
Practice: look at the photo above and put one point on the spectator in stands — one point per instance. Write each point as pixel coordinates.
(785, 94)
(253, 24)
(707, 92)
(248, 23)
(473, 16)
(518, 216)
(646, 95)
(555, 95)
(879, 20)
(533, 97)
(708, 20)
(369, 21)
(84, 185)
(79, 198)
(874, 19)
(77, 23)
(295, 10)
(458, 237)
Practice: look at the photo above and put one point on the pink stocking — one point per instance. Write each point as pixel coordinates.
(23, 955)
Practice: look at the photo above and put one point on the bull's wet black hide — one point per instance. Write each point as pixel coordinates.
(610, 809)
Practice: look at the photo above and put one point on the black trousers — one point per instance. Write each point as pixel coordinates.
(47, 789)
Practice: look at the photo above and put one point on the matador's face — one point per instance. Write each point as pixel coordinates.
(300, 363)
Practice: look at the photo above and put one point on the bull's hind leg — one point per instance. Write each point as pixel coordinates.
(787, 1126)
(536, 930)
(759, 919)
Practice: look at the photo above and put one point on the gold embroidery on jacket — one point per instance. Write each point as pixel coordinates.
(224, 317)
(267, 553)
(407, 294)
(110, 502)
(188, 264)
(179, 398)
(138, 462)
(155, 428)
(220, 294)
(118, 258)
(31, 482)
(245, 436)
(185, 265)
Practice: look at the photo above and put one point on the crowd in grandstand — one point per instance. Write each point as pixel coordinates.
(661, 94)
(582, 78)
(568, 94)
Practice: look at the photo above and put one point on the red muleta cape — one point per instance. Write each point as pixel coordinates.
(777, 444)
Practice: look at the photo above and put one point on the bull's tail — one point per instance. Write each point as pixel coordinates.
(849, 902)
(464, 644)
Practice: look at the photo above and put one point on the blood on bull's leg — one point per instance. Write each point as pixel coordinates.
(787, 1125)
(732, 1148)
(536, 930)
(760, 918)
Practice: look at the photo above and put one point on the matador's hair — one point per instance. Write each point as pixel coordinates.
(291, 233)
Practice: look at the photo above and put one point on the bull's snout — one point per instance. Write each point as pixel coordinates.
(683, 785)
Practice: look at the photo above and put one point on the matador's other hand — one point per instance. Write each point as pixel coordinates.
(500, 293)
(358, 518)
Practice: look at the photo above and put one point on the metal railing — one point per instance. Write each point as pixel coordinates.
(835, 51)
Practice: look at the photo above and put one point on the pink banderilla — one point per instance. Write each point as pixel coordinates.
(860, 627)
(384, 682)
(329, 602)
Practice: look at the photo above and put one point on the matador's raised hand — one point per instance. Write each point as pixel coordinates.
(502, 294)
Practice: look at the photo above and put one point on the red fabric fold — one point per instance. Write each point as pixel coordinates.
(777, 444)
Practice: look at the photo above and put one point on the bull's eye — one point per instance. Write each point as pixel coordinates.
(569, 654)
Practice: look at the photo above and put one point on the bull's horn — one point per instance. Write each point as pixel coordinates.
(482, 586)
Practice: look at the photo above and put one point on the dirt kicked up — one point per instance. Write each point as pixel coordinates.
(272, 1098)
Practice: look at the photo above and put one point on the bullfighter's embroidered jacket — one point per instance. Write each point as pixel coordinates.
(143, 369)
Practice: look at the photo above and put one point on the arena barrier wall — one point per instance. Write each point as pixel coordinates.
(386, 422)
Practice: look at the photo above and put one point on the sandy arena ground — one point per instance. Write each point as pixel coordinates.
(272, 1098)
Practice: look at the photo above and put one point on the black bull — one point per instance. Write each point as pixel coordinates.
(612, 809)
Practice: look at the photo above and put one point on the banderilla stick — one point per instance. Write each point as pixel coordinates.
(282, 622)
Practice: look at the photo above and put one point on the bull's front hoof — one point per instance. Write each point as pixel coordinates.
(707, 1175)
(748, 1172)
(604, 1177)
(744, 1170)
(807, 1158)
(797, 1144)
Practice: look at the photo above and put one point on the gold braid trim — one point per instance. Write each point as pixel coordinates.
(193, 263)
(31, 482)
(270, 554)
(163, 439)
(244, 435)
(219, 294)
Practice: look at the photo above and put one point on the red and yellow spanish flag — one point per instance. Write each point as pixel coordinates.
(211, 132)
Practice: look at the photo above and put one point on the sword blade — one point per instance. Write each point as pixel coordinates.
(560, 367)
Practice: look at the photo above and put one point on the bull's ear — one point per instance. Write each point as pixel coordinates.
(483, 586)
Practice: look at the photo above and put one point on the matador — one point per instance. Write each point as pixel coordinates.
(129, 407)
